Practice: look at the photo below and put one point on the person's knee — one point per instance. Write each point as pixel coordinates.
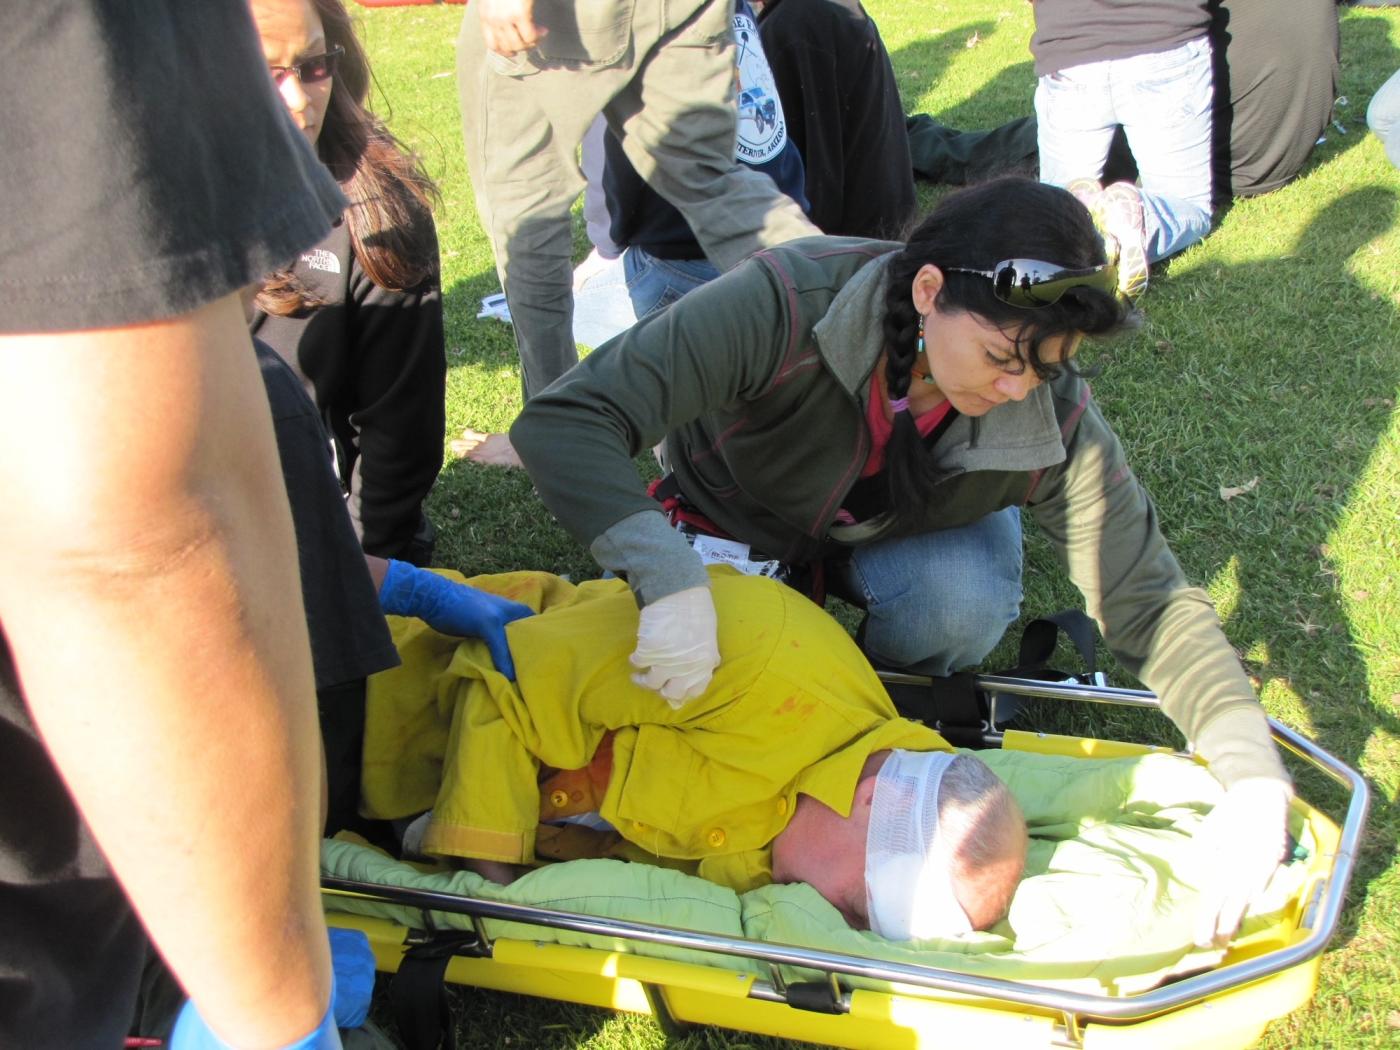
(939, 632)
(1383, 113)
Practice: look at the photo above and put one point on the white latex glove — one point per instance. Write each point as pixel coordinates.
(1239, 846)
(677, 645)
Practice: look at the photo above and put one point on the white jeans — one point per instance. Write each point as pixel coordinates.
(1383, 116)
(1163, 101)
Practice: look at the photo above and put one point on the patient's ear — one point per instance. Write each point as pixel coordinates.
(862, 803)
(865, 794)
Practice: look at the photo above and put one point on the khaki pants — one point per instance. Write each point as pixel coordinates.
(662, 73)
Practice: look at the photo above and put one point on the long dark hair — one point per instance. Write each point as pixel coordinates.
(390, 194)
(977, 228)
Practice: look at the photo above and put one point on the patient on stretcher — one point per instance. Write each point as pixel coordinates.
(792, 767)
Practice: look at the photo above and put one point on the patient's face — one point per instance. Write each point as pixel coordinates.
(985, 838)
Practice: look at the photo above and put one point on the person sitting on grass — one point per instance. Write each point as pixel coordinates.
(793, 765)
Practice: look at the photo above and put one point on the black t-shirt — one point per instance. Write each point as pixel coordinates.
(349, 636)
(148, 168)
(70, 945)
(1073, 32)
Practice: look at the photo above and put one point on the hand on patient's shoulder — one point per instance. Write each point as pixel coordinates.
(452, 608)
(1239, 846)
(677, 645)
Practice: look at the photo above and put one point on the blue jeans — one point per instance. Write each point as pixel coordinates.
(1163, 102)
(938, 601)
(1383, 115)
(654, 283)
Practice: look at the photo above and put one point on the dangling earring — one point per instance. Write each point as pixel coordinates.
(920, 351)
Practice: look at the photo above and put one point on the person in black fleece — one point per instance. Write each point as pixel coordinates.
(844, 114)
(359, 316)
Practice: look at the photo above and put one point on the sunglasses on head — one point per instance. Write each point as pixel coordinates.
(1030, 283)
(309, 70)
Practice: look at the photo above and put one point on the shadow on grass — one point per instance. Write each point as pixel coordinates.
(483, 343)
(1336, 401)
(1295, 392)
(1006, 96)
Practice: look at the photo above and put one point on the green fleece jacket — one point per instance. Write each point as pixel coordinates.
(757, 382)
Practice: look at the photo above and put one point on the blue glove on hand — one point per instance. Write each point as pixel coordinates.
(191, 1033)
(352, 986)
(452, 608)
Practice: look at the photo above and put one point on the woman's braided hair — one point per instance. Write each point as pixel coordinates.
(976, 228)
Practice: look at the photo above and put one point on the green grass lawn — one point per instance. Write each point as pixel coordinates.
(1271, 351)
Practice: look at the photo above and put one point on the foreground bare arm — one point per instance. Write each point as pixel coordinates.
(148, 587)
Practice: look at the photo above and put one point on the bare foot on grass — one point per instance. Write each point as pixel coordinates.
(493, 450)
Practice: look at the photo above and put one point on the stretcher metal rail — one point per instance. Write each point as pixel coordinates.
(1320, 918)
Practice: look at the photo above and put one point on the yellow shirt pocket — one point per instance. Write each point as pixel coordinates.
(651, 791)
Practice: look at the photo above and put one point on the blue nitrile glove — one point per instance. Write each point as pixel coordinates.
(352, 963)
(191, 1033)
(452, 608)
(352, 987)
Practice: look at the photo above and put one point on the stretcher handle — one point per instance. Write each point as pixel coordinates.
(1080, 1005)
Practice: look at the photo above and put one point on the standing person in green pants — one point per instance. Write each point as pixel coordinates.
(534, 75)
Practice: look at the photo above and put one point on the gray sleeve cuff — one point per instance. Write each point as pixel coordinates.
(653, 556)
(1238, 746)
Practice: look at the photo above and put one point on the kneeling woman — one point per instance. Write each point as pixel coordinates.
(359, 317)
(891, 408)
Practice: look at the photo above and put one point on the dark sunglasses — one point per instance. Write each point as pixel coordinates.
(1030, 283)
(309, 70)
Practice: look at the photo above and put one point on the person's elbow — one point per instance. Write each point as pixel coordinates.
(529, 435)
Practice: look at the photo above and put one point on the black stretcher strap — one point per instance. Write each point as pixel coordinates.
(962, 713)
(418, 993)
(1039, 639)
(816, 997)
(952, 705)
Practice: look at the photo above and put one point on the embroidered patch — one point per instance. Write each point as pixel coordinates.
(762, 132)
(320, 259)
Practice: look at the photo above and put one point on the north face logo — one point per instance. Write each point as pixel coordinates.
(320, 259)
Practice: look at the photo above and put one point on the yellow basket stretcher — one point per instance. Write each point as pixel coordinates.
(1259, 980)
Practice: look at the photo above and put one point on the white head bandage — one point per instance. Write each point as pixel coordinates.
(908, 881)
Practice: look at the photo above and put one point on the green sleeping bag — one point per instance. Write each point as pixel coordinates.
(1105, 907)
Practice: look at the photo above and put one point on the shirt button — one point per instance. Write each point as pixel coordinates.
(782, 807)
(639, 825)
(557, 799)
(715, 838)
